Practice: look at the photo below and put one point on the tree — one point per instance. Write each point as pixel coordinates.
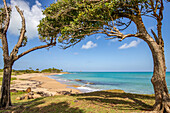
(9, 59)
(73, 20)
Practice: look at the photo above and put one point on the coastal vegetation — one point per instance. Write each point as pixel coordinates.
(30, 70)
(110, 101)
(73, 20)
(51, 70)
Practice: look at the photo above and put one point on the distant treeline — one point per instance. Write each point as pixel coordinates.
(52, 70)
(30, 70)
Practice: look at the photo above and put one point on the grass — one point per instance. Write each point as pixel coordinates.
(13, 73)
(13, 78)
(110, 101)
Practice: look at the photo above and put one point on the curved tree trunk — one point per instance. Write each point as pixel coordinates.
(162, 100)
(5, 90)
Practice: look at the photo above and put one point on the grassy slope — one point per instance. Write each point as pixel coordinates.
(112, 101)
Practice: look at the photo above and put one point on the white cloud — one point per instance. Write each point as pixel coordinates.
(98, 37)
(89, 45)
(153, 27)
(114, 40)
(32, 16)
(38, 3)
(131, 44)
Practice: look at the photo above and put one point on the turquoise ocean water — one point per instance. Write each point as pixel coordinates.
(131, 82)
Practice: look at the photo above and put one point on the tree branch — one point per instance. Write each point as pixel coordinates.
(156, 38)
(122, 36)
(33, 49)
(14, 53)
(159, 24)
(4, 31)
(22, 34)
(161, 10)
(7, 17)
(23, 31)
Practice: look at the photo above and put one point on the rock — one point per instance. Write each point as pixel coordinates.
(30, 97)
(43, 94)
(28, 89)
(36, 96)
(46, 95)
(23, 97)
(31, 93)
(13, 90)
(78, 80)
(40, 92)
(64, 92)
(18, 98)
(23, 90)
(26, 97)
(90, 83)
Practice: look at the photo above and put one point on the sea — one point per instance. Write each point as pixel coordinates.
(130, 82)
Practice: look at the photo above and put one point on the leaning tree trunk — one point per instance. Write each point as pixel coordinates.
(5, 90)
(162, 100)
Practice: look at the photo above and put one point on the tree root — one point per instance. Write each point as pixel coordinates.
(163, 107)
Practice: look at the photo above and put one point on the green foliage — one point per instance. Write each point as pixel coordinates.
(25, 71)
(3, 15)
(13, 78)
(30, 70)
(71, 21)
(52, 70)
(17, 93)
(1, 70)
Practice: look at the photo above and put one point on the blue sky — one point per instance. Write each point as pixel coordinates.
(94, 53)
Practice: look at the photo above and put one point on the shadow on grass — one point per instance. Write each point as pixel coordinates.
(119, 99)
(35, 106)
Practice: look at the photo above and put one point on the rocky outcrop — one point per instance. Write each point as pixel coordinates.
(90, 83)
(83, 81)
(28, 89)
(64, 92)
(78, 80)
(33, 95)
(13, 90)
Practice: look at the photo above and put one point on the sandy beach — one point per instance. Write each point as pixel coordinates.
(39, 82)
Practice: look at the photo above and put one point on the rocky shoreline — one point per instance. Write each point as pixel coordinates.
(40, 84)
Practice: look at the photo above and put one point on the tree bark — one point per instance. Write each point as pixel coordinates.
(5, 90)
(162, 100)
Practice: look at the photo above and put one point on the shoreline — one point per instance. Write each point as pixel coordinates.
(40, 82)
(46, 83)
